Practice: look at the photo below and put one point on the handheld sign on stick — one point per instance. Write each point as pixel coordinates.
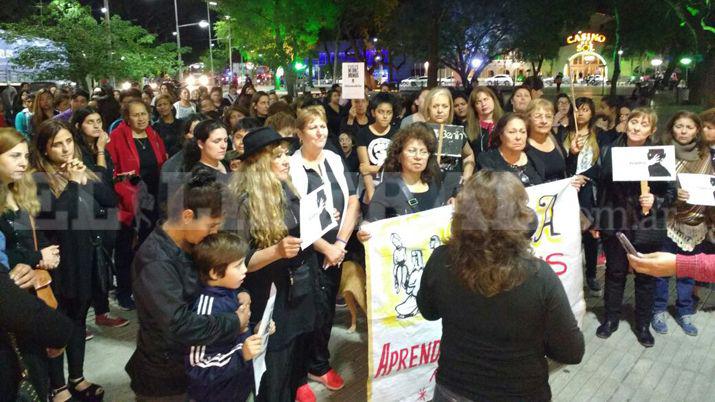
(645, 189)
(440, 140)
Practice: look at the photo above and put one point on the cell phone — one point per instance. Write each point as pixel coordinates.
(627, 245)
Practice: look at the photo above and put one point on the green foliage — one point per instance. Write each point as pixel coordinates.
(281, 31)
(83, 49)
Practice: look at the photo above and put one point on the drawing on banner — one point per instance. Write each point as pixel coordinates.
(407, 274)
(655, 163)
(353, 72)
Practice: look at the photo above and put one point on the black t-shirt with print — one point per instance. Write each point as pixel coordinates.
(376, 144)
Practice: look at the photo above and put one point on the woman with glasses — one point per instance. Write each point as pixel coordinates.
(542, 144)
(412, 180)
(509, 156)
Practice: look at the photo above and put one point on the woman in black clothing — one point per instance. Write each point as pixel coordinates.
(461, 108)
(503, 310)
(510, 136)
(18, 206)
(621, 207)
(335, 114)
(268, 220)
(542, 144)
(167, 125)
(259, 106)
(77, 209)
(412, 180)
(32, 323)
(208, 147)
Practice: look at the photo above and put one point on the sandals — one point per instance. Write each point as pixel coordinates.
(93, 393)
(58, 391)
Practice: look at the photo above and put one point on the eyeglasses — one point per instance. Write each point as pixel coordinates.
(414, 152)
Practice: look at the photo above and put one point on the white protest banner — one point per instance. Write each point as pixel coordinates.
(259, 362)
(316, 217)
(700, 188)
(403, 348)
(643, 163)
(353, 81)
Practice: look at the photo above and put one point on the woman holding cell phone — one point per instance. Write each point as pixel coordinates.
(640, 216)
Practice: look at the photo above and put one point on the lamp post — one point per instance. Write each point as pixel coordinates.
(686, 61)
(178, 39)
(208, 18)
(105, 11)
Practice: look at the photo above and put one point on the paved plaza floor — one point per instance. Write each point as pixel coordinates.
(677, 368)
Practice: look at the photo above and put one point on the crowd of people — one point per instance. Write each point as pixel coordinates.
(185, 205)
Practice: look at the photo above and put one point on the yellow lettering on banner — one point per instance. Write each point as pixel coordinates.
(545, 210)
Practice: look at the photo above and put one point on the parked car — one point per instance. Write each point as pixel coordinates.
(549, 81)
(413, 83)
(500, 80)
(595, 80)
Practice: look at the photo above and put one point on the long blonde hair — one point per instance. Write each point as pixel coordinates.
(266, 200)
(473, 127)
(24, 190)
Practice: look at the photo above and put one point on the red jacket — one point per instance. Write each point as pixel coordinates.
(122, 149)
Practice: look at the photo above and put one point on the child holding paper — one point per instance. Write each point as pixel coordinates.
(222, 371)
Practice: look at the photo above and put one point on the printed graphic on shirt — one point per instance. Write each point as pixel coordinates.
(377, 150)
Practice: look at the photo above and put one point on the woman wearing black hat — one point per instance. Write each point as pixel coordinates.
(269, 220)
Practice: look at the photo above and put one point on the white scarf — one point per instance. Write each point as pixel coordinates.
(300, 178)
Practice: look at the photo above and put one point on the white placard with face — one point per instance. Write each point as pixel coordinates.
(643, 163)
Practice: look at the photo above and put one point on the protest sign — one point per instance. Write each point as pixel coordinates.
(700, 188)
(353, 81)
(259, 361)
(404, 348)
(643, 163)
(453, 138)
(316, 216)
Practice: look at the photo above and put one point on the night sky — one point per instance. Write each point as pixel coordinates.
(157, 16)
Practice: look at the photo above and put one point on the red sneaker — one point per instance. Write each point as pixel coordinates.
(108, 320)
(332, 380)
(304, 394)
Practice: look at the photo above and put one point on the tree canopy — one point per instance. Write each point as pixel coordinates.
(86, 49)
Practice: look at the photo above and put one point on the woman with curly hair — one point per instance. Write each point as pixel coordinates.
(412, 180)
(503, 310)
(269, 221)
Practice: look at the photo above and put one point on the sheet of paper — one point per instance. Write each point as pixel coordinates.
(259, 362)
(316, 216)
(643, 163)
(353, 81)
(700, 188)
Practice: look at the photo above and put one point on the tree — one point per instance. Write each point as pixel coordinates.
(81, 50)
(282, 32)
(539, 30)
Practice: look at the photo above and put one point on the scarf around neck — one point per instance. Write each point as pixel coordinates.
(687, 152)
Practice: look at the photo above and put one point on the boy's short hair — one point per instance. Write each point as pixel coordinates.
(217, 251)
(380, 98)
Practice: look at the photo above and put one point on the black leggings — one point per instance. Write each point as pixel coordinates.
(76, 310)
(590, 250)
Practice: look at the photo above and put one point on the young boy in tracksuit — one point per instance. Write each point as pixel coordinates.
(222, 371)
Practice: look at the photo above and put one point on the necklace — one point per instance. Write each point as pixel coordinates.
(141, 142)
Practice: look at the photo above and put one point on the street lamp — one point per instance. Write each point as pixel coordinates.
(208, 18)
(656, 62)
(686, 61)
(620, 52)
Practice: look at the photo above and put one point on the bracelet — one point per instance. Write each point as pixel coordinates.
(100, 153)
(341, 240)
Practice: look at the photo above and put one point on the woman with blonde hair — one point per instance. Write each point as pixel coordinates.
(311, 167)
(542, 144)
(19, 205)
(503, 310)
(77, 207)
(269, 220)
(439, 109)
(483, 113)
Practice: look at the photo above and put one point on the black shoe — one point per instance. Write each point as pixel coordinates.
(605, 330)
(644, 336)
(594, 288)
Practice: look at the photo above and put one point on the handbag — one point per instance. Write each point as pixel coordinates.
(42, 277)
(26, 391)
(301, 283)
(103, 265)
